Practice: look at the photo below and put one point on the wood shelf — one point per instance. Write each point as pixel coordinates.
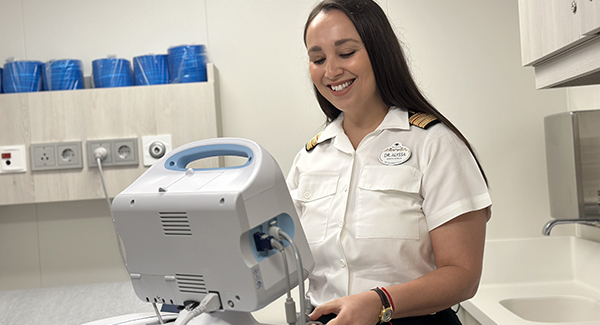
(188, 112)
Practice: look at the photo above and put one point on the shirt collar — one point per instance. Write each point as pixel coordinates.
(396, 118)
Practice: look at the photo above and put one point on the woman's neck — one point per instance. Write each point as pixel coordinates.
(357, 125)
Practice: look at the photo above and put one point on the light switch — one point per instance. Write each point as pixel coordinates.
(13, 159)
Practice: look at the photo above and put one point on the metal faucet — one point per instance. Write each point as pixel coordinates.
(583, 221)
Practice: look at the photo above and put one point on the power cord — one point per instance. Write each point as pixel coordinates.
(100, 154)
(290, 306)
(278, 234)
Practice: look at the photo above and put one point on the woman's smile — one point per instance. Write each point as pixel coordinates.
(340, 87)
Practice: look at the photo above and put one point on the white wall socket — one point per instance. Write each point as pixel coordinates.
(13, 159)
(154, 147)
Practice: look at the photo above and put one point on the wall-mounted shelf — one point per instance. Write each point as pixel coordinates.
(188, 112)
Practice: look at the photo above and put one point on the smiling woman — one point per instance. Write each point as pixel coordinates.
(394, 201)
(341, 71)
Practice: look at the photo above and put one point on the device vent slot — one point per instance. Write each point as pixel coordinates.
(175, 224)
(189, 283)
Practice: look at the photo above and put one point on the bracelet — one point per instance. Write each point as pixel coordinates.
(389, 296)
(387, 311)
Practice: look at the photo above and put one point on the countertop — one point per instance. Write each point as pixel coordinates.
(545, 267)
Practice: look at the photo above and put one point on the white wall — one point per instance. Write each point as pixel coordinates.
(465, 55)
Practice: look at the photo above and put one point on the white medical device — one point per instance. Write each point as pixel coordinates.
(189, 232)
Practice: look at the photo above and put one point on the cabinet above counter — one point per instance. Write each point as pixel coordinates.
(560, 39)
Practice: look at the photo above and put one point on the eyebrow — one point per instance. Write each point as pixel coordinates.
(337, 43)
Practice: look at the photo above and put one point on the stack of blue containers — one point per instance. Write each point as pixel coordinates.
(22, 76)
(187, 63)
(111, 72)
(150, 69)
(63, 75)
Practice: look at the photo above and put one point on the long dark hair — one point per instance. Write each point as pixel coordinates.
(392, 73)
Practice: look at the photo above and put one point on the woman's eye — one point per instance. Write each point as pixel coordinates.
(347, 55)
(318, 61)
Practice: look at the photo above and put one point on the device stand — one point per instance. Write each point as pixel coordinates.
(220, 318)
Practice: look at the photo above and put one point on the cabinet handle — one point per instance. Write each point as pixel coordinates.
(574, 6)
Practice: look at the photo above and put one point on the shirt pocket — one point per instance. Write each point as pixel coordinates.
(389, 202)
(315, 194)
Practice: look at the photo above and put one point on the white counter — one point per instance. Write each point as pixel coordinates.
(540, 273)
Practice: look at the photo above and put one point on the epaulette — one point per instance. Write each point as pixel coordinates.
(310, 145)
(422, 120)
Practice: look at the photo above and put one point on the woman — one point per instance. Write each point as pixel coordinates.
(393, 201)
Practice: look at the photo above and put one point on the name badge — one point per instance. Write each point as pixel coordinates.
(395, 154)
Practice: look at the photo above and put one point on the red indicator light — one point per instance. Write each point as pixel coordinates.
(6, 155)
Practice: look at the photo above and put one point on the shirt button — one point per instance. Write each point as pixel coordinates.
(346, 188)
(341, 223)
(342, 264)
(307, 195)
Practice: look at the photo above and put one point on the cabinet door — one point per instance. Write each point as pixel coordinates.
(591, 17)
(548, 27)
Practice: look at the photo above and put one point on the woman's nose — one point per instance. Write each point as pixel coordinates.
(333, 69)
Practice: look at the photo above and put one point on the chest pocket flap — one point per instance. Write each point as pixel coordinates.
(313, 186)
(395, 178)
(389, 196)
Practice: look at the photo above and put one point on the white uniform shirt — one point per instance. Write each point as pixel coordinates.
(368, 223)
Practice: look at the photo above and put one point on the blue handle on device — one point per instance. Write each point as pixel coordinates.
(180, 160)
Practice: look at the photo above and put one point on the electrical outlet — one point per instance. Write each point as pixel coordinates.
(13, 159)
(69, 155)
(120, 152)
(58, 155)
(154, 147)
(125, 152)
(93, 145)
(43, 156)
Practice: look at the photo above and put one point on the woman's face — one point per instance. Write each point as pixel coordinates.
(339, 64)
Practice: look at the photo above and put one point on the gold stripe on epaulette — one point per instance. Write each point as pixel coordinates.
(422, 120)
(313, 142)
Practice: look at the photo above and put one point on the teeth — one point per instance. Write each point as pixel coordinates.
(342, 86)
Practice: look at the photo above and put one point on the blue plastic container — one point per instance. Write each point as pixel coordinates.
(22, 76)
(150, 69)
(1, 91)
(187, 63)
(63, 75)
(111, 72)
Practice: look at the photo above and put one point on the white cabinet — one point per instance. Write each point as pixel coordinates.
(591, 17)
(560, 39)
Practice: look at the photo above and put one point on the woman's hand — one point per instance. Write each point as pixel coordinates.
(359, 309)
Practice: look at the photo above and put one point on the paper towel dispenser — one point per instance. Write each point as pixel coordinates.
(573, 164)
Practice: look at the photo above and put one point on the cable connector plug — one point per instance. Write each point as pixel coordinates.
(274, 231)
(101, 153)
(262, 241)
(209, 304)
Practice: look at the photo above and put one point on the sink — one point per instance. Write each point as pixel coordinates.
(545, 280)
(554, 309)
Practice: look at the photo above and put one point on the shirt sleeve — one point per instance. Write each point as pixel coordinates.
(292, 182)
(452, 183)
